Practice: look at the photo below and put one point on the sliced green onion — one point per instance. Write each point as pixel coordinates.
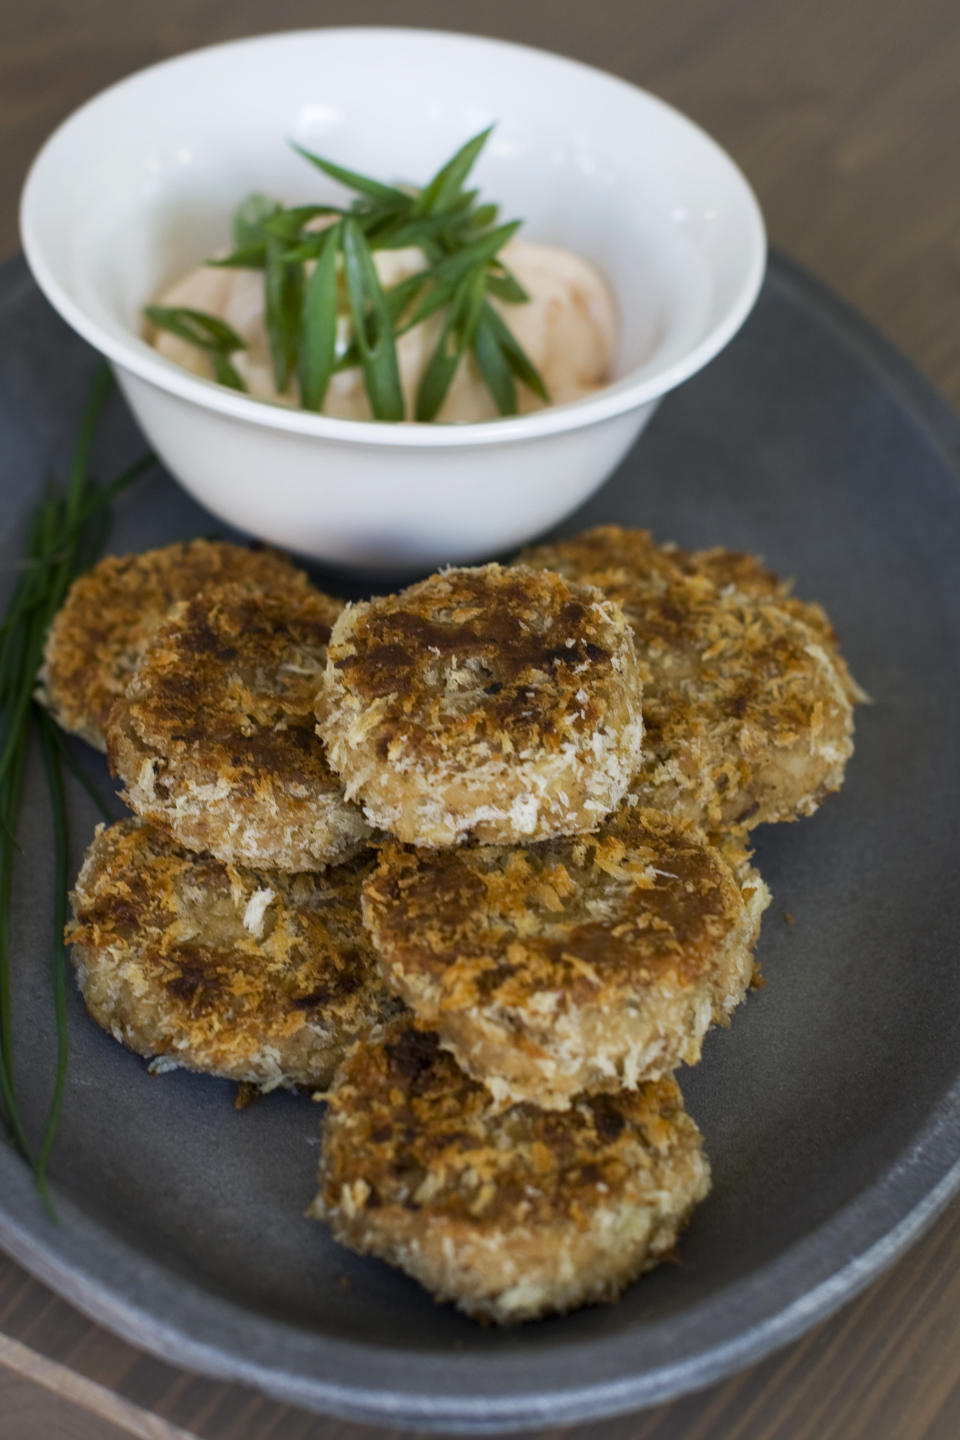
(319, 327)
(515, 355)
(372, 328)
(445, 187)
(251, 257)
(196, 326)
(249, 220)
(492, 365)
(284, 302)
(354, 181)
(455, 339)
(502, 283)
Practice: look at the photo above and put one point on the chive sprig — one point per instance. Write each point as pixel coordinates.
(65, 534)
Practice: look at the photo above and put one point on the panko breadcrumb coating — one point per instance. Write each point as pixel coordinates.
(586, 963)
(99, 633)
(511, 1214)
(261, 978)
(214, 738)
(735, 571)
(489, 703)
(747, 704)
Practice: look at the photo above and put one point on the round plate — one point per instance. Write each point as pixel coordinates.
(831, 1107)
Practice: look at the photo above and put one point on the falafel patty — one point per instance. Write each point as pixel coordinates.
(488, 703)
(747, 703)
(214, 737)
(99, 633)
(260, 978)
(581, 964)
(510, 1214)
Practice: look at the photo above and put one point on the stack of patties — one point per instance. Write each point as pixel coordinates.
(470, 860)
(567, 905)
(212, 931)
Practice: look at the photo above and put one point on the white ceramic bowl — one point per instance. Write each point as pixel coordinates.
(139, 184)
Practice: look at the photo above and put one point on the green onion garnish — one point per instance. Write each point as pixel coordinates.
(318, 343)
(208, 333)
(461, 240)
(372, 328)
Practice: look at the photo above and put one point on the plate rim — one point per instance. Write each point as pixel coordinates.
(919, 1166)
(872, 1231)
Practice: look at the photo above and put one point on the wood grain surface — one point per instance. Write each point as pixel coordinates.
(845, 115)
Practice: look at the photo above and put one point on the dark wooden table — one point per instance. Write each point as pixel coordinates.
(845, 114)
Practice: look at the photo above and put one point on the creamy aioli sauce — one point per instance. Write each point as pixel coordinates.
(568, 328)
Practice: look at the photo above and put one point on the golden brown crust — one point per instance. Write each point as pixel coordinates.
(510, 1213)
(736, 571)
(99, 634)
(582, 963)
(214, 737)
(258, 977)
(747, 703)
(488, 702)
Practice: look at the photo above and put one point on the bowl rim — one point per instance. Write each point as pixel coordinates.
(135, 356)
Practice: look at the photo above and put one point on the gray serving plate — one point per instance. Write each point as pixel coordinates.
(830, 1109)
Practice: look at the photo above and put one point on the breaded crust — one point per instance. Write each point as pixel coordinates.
(582, 964)
(510, 1214)
(214, 738)
(98, 635)
(747, 704)
(487, 703)
(734, 571)
(257, 977)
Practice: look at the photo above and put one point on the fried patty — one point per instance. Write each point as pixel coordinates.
(98, 635)
(510, 1214)
(747, 704)
(214, 737)
(581, 964)
(494, 704)
(258, 977)
(735, 571)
